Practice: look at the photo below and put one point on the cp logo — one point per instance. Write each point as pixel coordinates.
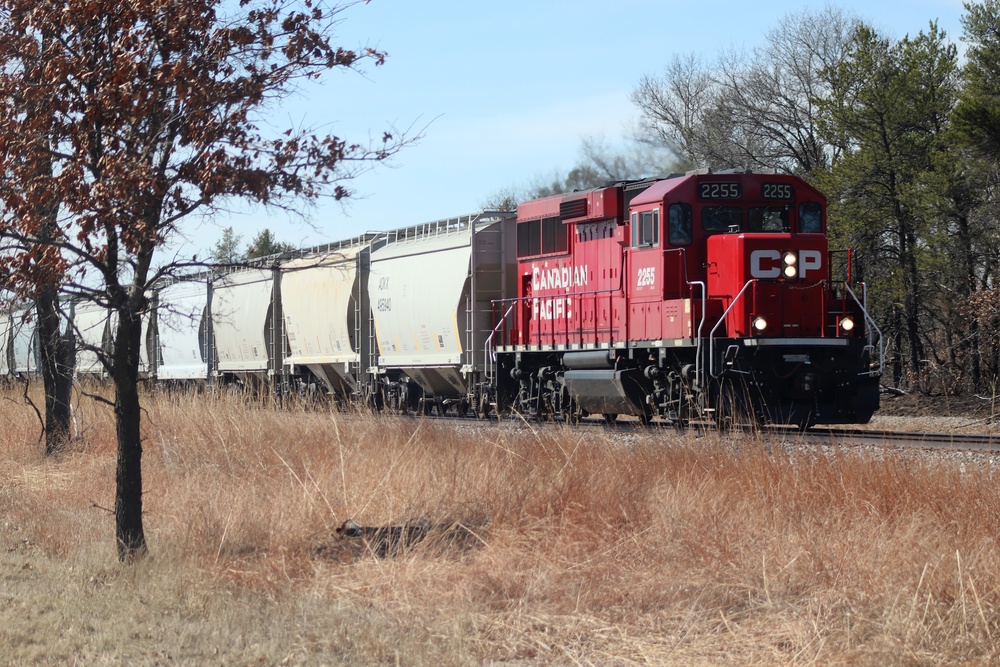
(767, 264)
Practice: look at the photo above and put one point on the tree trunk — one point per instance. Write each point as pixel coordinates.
(58, 358)
(896, 327)
(57, 349)
(967, 289)
(913, 320)
(128, 479)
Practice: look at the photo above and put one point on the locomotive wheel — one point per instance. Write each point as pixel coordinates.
(610, 417)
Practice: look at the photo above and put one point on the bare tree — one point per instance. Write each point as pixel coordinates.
(753, 110)
(147, 113)
(676, 104)
(599, 162)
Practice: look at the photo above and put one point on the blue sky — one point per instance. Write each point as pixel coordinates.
(505, 91)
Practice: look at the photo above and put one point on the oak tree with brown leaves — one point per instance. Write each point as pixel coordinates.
(119, 120)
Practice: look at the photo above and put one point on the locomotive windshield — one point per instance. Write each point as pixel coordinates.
(810, 218)
(769, 219)
(721, 218)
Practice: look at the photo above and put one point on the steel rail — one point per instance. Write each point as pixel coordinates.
(967, 442)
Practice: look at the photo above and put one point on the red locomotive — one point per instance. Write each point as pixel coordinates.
(706, 295)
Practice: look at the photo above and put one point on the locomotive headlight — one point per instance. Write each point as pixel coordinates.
(759, 323)
(790, 259)
(847, 324)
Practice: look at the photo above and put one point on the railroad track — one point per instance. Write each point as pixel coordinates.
(850, 437)
(855, 437)
(966, 442)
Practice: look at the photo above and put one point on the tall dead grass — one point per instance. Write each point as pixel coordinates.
(595, 547)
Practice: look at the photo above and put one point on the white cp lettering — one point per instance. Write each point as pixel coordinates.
(757, 269)
(766, 264)
(810, 260)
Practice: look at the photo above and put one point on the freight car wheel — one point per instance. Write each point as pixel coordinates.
(610, 417)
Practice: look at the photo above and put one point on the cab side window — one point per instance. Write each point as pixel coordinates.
(646, 229)
(679, 224)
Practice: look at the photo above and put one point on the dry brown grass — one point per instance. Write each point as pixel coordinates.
(590, 547)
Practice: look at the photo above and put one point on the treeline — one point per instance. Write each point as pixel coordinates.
(902, 137)
(227, 250)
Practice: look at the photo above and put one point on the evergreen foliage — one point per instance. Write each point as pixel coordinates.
(905, 142)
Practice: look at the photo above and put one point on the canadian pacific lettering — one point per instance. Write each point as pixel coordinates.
(552, 308)
(558, 277)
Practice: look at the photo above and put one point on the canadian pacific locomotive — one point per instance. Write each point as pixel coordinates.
(704, 295)
(697, 296)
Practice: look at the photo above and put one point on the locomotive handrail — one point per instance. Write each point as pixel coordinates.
(683, 253)
(489, 353)
(701, 326)
(704, 305)
(722, 319)
(870, 323)
(579, 330)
